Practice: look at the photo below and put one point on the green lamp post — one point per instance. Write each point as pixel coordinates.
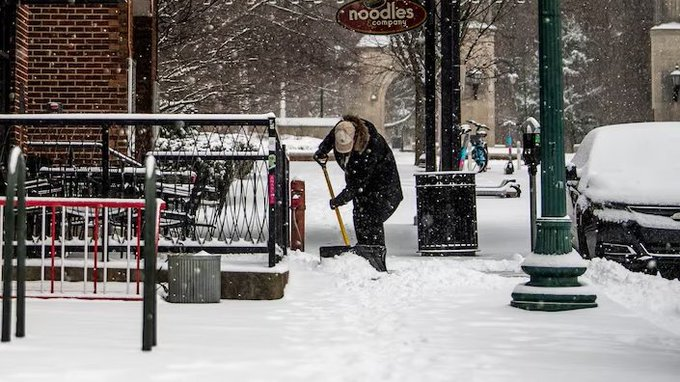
(554, 267)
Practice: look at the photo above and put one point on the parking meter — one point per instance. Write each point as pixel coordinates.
(532, 157)
(531, 153)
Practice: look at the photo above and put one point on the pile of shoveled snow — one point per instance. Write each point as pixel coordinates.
(652, 297)
(424, 274)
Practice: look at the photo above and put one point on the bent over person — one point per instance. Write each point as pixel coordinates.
(371, 177)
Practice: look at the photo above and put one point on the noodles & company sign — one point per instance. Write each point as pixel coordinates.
(381, 16)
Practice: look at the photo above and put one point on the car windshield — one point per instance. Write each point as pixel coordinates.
(631, 163)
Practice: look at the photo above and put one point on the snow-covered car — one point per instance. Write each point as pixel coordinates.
(623, 196)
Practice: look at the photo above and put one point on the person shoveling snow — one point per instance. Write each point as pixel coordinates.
(372, 184)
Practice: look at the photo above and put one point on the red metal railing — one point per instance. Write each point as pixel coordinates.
(102, 227)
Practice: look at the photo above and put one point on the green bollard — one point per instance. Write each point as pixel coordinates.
(21, 250)
(150, 221)
(15, 187)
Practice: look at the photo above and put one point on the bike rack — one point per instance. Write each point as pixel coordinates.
(508, 188)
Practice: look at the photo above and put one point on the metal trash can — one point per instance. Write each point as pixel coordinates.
(194, 278)
(447, 213)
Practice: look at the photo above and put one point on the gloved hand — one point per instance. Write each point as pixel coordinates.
(335, 203)
(320, 157)
(343, 198)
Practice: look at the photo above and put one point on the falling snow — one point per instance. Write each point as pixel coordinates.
(428, 319)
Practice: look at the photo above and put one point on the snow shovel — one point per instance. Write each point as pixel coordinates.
(375, 254)
(345, 237)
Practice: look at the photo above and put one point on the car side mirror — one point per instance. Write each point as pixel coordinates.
(572, 174)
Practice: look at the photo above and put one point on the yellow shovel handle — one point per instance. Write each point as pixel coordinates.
(345, 238)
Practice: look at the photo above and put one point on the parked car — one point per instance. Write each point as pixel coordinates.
(623, 196)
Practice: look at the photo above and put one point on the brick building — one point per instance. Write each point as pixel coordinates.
(77, 56)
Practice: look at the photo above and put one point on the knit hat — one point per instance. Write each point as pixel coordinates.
(344, 137)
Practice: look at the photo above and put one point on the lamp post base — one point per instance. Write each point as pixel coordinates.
(554, 271)
(528, 297)
(550, 306)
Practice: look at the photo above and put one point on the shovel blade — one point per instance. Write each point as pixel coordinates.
(375, 254)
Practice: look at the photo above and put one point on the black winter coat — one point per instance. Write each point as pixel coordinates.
(371, 176)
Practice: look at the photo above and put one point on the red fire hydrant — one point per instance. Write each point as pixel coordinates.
(297, 207)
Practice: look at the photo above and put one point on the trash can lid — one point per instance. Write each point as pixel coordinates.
(198, 254)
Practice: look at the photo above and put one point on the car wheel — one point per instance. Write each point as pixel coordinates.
(670, 272)
(652, 271)
(591, 241)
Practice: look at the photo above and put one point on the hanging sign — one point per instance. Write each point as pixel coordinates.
(381, 16)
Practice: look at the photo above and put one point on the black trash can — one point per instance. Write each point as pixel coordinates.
(447, 213)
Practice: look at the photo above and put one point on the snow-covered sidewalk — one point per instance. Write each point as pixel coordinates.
(430, 319)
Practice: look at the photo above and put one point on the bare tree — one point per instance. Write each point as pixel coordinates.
(407, 50)
(580, 91)
(233, 56)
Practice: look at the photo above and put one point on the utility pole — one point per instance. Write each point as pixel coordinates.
(455, 52)
(321, 103)
(322, 90)
(446, 204)
(554, 264)
(430, 75)
(448, 59)
(450, 84)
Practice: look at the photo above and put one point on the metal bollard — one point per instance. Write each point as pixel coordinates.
(297, 207)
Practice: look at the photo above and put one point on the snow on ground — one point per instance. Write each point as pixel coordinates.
(430, 319)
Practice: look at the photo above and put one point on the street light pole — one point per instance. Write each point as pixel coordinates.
(553, 265)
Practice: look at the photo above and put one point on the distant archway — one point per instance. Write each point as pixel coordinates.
(375, 80)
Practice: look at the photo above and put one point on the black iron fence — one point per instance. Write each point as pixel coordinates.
(223, 177)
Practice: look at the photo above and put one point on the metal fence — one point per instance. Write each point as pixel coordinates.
(79, 251)
(14, 209)
(223, 177)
